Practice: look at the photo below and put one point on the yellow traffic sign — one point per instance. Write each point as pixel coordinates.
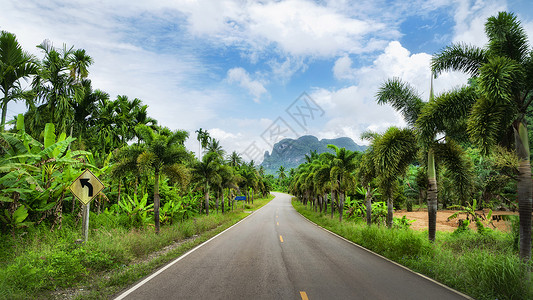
(86, 187)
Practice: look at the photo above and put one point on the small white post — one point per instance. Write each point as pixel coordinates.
(85, 222)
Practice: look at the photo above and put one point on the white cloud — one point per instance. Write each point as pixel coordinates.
(343, 68)
(254, 87)
(470, 20)
(295, 27)
(353, 109)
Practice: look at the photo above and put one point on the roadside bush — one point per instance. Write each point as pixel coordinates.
(483, 265)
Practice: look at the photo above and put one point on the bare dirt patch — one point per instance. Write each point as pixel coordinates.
(421, 220)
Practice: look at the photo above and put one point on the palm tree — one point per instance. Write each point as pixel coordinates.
(227, 180)
(79, 65)
(163, 151)
(85, 108)
(502, 70)
(206, 172)
(15, 64)
(215, 147)
(235, 160)
(445, 114)
(393, 152)
(343, 164)
(366, 173)
(281, 173)
(54, 86)
(203, 140)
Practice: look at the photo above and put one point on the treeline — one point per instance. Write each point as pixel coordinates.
(467, 147)
(149, 175)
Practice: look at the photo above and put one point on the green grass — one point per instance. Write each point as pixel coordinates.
(41, 264)
(484, 266)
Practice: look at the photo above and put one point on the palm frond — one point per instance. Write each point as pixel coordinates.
(488, 122)
(402, 96)
(500, 79)
(452, 156)
(507, 37)
(459, 57)
(446, 114)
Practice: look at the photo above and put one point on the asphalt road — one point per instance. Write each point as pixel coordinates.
(277, 254)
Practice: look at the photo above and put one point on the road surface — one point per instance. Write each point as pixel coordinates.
(277, 254)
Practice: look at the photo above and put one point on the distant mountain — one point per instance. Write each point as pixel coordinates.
(291, 153)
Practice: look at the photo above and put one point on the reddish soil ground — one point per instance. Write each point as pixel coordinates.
(421, 220)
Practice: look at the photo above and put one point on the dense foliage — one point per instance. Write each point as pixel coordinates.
(149, 176)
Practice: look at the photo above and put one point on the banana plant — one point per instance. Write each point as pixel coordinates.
(170, 211)
(481, 221)
(16, 219)
(136, 209)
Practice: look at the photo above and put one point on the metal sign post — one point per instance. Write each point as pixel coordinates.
(85, 188)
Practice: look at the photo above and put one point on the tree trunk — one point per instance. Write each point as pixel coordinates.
(222, 192)
(4, 110)
(368, 203)
(332, 202)
(325, 202)
(119, 190)
(432, 196)
(341, 204)
(390, 211)
(217, 201)
(156, 201)
(207, 199)
(524, 188)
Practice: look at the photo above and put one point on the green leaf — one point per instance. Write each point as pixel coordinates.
(49, 135)
(20, 214)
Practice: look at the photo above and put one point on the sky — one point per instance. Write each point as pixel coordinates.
(254, 72)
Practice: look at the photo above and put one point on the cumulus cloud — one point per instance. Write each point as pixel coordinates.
(353, 109)
(295, 27)
(343, 68)
(470, 20)
(254, 87)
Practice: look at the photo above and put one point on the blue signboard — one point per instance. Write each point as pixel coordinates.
(240, 198)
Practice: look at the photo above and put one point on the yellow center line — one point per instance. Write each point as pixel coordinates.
(303, 295)
(281, 238)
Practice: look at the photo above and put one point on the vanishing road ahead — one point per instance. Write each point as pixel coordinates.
(277, 254)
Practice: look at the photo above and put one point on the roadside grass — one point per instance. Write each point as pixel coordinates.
(50, 265)
(483, 266)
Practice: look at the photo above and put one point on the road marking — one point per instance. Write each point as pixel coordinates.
(386, 259)
(131, 290)
(281, 238)
(303, 295)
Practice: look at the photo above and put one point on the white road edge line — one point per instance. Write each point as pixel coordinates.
(391, 261)
(138, 285)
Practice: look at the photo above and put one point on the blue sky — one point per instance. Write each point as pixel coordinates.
(238, 68)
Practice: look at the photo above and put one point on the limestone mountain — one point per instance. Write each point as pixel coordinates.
(290, 153)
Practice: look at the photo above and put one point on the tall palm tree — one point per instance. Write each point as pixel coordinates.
(214, 146)
(281, 172)
(445, 114)
(366, 173)
(79, 65)
(206, 172)
(227, 180)
(15, 64)
(393, 152)
(203, 140)
(343, 164)
(162, 153)
(234, 160)
(503, 73)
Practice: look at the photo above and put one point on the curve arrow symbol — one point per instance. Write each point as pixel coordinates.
(85, 183)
